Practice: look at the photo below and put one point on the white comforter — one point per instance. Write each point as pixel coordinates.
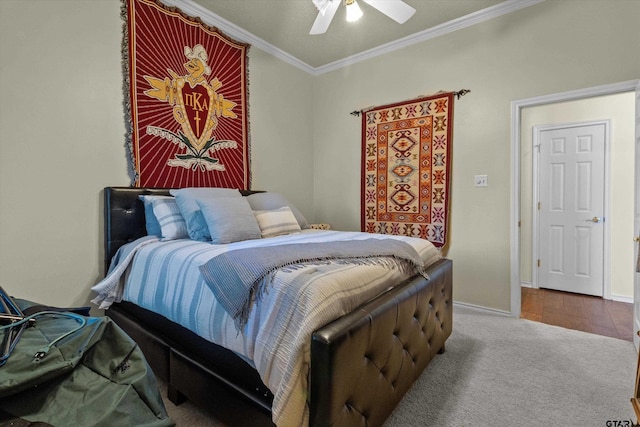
(164, 277)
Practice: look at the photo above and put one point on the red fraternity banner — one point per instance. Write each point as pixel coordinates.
(187, 96)
(406, 163)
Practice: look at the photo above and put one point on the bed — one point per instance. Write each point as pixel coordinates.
(360, 363)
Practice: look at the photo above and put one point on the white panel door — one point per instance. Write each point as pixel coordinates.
(571, 208)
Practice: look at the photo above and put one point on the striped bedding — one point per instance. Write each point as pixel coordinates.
(164, 277)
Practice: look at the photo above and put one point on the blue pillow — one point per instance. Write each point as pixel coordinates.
(188, 205)
(151, 222)
(163, 218)
(229, 219)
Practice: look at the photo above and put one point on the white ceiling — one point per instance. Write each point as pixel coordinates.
(282, 26)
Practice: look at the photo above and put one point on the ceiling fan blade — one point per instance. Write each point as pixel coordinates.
(397, 10)
(322, 21)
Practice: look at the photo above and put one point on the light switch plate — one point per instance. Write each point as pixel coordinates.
(481, 181)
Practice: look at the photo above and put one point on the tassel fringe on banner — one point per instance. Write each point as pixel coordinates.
(458, 94)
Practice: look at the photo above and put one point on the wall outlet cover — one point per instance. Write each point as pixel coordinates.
(481, 181)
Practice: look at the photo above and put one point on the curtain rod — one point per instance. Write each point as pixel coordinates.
(458, 94)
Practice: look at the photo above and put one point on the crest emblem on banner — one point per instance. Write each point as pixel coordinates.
(197, 107)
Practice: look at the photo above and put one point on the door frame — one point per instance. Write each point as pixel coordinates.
(636, 226)
(535, 223)
(516, 110)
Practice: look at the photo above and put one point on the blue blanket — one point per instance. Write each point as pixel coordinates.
(235, 276)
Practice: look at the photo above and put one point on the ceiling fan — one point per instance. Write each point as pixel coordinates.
(397, 10)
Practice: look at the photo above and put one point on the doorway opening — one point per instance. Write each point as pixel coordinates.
(520, 175)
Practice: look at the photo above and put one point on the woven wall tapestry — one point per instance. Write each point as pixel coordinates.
(187, 95)
(406, 162)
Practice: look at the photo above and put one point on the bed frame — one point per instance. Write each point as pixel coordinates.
(394, 336)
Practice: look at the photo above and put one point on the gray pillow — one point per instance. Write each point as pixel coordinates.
(186, 198)
(229, 219)
(269, 201)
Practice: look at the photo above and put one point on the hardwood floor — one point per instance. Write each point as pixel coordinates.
(582, 312)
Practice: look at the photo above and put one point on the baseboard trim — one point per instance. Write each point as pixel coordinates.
(481, 308)
(620, 298)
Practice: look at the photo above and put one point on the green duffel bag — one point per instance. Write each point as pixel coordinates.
(70, 370)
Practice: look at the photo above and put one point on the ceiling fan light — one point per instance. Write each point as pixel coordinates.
(353, 10)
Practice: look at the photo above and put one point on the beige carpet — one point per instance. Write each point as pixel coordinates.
(500, 371)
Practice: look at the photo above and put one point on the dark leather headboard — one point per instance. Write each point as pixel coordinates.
(124, 216)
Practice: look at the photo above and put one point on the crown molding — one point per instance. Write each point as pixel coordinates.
(242, 35)
(234, 31)
(465, 21)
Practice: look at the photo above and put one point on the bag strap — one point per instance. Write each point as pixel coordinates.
(83, 311)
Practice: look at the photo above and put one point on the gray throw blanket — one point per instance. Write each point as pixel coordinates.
(236, 275)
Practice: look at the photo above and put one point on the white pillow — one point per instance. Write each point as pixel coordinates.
(277, 222)
(229, 219)
(268, 201)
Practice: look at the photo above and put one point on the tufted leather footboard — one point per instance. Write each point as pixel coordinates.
(377, 352)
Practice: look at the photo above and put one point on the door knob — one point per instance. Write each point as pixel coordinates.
(594, 219)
